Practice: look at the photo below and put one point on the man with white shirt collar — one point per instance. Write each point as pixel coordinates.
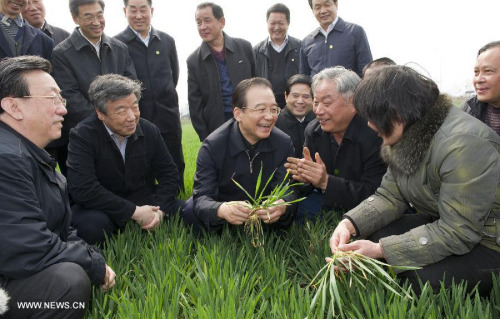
(155, 57)
(87, 53)
(345, 43)
(277, 57)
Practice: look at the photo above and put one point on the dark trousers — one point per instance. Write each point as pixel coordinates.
(94, 225)
(60, 154)
(174, 145)
(190, 218)
(475, 267)
(61, 291)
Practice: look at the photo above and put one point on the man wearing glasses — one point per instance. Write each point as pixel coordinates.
(41, 258)
(239, 150)
(87, 53)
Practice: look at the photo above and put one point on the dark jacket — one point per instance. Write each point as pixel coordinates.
(346, 45)
(475, 108)
(446, 166)
(204, 90)
(55, 33)
(289, 124)
(35, 42)
(223, 157)
(76, 64)
(35, 214)
(158, 69)
(354, 168)
(263, 58)
(99, 179)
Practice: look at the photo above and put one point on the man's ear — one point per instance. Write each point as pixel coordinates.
(10, 106)
(236, 113)
(100, 115)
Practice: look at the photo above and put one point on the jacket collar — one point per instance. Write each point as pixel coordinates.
(406, 156)
(229, 45)
(236, 144)
(104, 132)
(351, 133)
(129, 35)
(290, 120)
(340, 26)
(79, 42)
(476, 107)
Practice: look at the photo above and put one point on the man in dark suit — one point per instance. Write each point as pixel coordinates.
(34, 13)
(155, 59)
(214, 70)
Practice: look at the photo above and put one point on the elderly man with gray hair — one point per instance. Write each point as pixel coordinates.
(341, 163)
(118, 165)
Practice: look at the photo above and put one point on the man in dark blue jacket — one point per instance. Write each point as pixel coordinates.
(118, 165)
(87, 53)
(214, 70)
(155, 58)
(18, 37)
(41, 258)
(239, 150)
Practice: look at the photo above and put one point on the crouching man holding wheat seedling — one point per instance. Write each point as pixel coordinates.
(42, 261)
(446, 166)
(247, 153)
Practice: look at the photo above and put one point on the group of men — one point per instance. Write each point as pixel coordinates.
(121, 138)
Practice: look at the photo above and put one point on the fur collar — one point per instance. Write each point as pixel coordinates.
(407, 154)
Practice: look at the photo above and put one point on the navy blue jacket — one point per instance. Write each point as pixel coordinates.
(346, 45)
(99, 179)
(204, 90)
(223, 157)
(157, 68)
(76, 64)
(35, 214)
(35, 42)
(354, 168)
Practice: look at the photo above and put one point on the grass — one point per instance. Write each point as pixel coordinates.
(171, 273)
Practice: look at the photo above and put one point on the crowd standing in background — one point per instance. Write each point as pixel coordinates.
(417, 194)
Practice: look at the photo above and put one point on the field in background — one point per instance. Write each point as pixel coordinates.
(171, 273)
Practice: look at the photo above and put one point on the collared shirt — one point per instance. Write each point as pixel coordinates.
(144, 40)
(96, 46)
(330, 27)
(122, 146)
(276, 47)
(6, 20)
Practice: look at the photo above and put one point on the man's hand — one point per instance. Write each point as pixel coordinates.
(148, 216)
(109, 279)
(235, 213)
(364, 247)
(341, 234)
(305, 170)
(273, 214)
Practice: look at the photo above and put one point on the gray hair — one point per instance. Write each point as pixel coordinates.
(346, 80)
(112, 87)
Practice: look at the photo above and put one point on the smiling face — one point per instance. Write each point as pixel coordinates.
(34, 13)
(91, 21)
(333, 112)
(139, 13)
(277, 25)
(487, 76)
(13, 8)
(325, 11)
(121, 116)
(253, 126)
(299, 101)
(209, 28)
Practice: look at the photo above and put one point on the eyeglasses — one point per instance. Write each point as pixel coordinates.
(90, 18)
(56, 98)
(261, 110)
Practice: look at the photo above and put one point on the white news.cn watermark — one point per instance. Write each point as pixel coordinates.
(51, 305)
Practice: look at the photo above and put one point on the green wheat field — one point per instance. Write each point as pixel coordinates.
(171, 273)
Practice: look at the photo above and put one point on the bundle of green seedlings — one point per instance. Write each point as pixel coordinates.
(253, 224)
(347, 267)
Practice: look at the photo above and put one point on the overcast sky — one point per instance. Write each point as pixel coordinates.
(442, 36)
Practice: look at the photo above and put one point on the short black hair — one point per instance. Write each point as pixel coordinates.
(75, 4)
(239, 95)
(125, 2)
(311, 3)
(216, 9)
(488, 46)
(279, 8)
(397, 94)
(12, 71)
(378, 62)
(298, 79)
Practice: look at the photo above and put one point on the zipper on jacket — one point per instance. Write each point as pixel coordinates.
(251, 160)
